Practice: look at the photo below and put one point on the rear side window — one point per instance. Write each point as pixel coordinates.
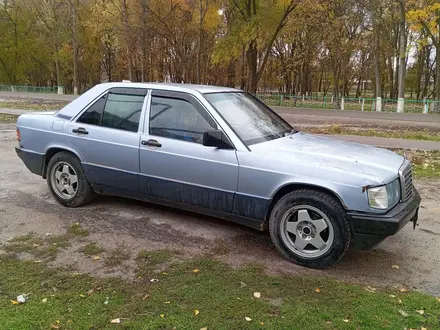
(120, 108)
(93, 114)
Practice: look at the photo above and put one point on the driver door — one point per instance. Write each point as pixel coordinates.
(174, 164)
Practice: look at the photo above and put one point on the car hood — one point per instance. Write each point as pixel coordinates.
(379, 165)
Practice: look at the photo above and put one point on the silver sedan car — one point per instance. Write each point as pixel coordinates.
(221, 152)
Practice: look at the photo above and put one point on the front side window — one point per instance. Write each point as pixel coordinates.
(177, 118)
(118, 109)
(252, 121)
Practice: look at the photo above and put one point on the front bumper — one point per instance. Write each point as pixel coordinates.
(33, 161)
(371, 229)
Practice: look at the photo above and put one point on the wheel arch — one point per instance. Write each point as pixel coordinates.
(52, 151)
(292, 186)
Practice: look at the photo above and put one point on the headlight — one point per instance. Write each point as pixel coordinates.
(384, 196)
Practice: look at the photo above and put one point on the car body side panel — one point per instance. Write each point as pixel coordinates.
(110, 156)
(263, 177)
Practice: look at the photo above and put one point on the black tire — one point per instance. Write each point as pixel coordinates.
(84, 191)
(330, 207)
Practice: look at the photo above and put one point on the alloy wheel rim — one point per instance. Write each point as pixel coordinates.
(307, 231)
(64, 180)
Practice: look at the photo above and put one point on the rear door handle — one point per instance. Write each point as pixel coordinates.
(80, 130)
(151, 143)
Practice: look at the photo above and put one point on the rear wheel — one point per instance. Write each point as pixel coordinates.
(309, 228)
(67, 181)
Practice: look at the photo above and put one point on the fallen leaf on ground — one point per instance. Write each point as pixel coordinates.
(44, 300)
(167, 302)
(420, 311)
(247, 318)
(242, 284)
(106, 301)
(196, 270)
(257, 294)
(54, 326)
(262, 323)
(95, 258)
(400, 301)
(392, 296)
(37, 261)
(69, 321)
(162, 315)
(422, 328)
(81, 295)
(438, 299)
(370, 289)
(14, 302)
(115, 321)
(205, 328)
(154, 280)
(90, 292)
(403, 313)
(146, 296)
(318, 290)
(164, 273)
(403, 289)
(196, 312)
(395, 266)
(346, 321)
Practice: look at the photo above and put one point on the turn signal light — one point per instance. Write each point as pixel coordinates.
(18, 135)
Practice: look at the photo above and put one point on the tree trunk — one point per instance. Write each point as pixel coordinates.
(75, 47)
(252, 62)
(402, 57)
(376, 33)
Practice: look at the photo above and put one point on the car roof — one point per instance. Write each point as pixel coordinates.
(74, 107)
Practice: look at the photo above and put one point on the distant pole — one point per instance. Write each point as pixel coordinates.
(363, 104)
(378, 104)
(400, 105)
(342, 103)
(332, 99)
(425, 106)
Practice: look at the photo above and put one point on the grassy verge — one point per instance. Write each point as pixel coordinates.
(7, 119)
(202, 294)
(33, 105)
(426, 163)
(398, 133)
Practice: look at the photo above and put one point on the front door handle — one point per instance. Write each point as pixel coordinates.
(80, 130)
(151, 143)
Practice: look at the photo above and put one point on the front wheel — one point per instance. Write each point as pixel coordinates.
(67, 181)
(309, 228)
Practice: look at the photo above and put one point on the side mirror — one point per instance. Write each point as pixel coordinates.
(216, 138)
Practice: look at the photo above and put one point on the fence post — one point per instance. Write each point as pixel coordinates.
(303, 98)
(425, 106)
(400, 105)
(12, 89)
(363, 104)
(281, 100)
(378, 104)
(60, 90)
(332, 99)
(342, 103)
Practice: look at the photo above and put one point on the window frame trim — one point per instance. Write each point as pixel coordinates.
(185, 96)
(105, 93)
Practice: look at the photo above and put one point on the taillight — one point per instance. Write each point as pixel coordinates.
(18, 135)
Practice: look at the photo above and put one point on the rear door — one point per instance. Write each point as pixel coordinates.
(107, 136)
(174, 164)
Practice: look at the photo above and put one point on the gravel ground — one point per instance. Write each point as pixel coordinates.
(27, 206)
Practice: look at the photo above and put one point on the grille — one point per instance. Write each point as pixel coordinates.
(406, 180)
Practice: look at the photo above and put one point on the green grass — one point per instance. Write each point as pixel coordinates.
(216, 291)
(116, 257)
(399, 134)
(92, 249)
(7, 119)
(426, 163)
(36, 105)
(75, 229)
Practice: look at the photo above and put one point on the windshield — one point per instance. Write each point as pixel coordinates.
(251, 120)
